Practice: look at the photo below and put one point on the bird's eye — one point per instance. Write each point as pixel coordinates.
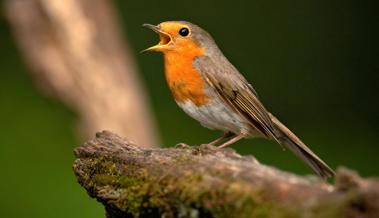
(184, 31)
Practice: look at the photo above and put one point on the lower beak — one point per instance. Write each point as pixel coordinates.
(165, 38)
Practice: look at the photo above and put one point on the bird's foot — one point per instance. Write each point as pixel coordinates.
(209, 146)
(182, 145)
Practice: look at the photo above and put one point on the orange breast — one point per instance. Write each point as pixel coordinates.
(183, 79)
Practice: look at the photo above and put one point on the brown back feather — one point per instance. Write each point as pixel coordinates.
(237, 92)
(240, 95)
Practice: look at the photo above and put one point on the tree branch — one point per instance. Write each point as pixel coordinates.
(131, 181)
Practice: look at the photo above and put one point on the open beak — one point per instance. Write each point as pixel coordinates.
(165, 38)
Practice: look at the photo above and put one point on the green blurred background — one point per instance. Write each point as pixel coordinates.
(314, 63)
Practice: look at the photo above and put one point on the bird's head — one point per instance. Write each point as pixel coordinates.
(180, 36)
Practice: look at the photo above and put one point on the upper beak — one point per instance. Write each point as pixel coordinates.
(165, 38)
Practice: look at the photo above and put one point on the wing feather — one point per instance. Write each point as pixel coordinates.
(240, 95)
(234, 88)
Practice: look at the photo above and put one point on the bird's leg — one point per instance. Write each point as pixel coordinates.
(231, 141)
(226, 135)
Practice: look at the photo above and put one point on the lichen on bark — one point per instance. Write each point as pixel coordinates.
(201, 181)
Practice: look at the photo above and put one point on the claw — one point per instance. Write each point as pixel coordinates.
(182, 145)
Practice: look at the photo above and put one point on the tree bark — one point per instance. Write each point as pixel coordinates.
(75, 53)
(201, 181)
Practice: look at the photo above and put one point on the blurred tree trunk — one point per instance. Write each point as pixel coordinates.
(76, 54)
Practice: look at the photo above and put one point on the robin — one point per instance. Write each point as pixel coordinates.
(212, 91)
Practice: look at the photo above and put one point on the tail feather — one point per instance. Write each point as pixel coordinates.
(293, 143)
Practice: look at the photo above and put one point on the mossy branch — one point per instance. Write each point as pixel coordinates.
(132, 181)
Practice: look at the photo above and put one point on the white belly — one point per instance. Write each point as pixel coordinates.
(215, 115)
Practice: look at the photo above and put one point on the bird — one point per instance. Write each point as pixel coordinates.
(212, 91)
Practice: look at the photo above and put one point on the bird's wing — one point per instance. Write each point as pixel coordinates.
(235, 90)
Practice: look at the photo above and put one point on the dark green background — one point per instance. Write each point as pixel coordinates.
(314, 63)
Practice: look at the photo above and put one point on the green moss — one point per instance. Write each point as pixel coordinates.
(233, 200)
(131, 190)
(142, 191)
